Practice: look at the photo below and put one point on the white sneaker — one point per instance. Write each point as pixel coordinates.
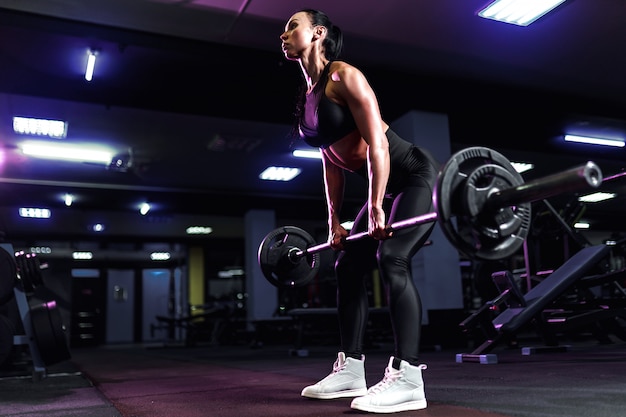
(346, 380)
(400, 390)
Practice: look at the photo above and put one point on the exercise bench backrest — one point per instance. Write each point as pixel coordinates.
(505, 282)
(548, 290)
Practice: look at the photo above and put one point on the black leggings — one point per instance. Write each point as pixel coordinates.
(392, 257)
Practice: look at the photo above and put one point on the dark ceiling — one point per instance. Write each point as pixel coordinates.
(199, 93)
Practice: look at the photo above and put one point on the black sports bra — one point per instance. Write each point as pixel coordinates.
(324, 122)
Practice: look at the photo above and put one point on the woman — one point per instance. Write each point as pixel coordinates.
(338, 112)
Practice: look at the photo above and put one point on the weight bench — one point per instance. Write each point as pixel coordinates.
(522, 309)
(209, 322)
(302, 315)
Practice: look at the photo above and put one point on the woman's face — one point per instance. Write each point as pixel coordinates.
(297, 36)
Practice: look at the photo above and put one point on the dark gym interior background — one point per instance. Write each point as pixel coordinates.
(197, 99)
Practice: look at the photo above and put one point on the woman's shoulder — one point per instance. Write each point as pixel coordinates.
(341, 69)
(341, 65)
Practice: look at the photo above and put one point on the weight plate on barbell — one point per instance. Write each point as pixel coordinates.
(463, 187)
(282, 269)
(500, 230)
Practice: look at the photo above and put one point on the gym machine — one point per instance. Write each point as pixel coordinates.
(501, 318)
(24, 320)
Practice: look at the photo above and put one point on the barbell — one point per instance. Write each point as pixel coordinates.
(481, 203)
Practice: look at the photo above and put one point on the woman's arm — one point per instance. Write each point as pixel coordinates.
(350, 86)
(334, 183)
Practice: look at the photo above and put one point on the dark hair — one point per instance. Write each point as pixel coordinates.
(333, 45)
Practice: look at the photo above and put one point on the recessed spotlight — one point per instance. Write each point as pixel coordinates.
(144, 208)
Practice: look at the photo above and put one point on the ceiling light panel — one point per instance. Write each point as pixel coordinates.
(39, 127)
(518, 12)
(35, 213)
(521, 167)
(279, 173)
(596, 197)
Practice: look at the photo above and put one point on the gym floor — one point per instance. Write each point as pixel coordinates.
(586, 380)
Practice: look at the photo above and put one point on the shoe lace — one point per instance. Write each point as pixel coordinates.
(391, 376)
(338, 366)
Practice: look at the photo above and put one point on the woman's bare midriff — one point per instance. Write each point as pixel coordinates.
(349, 152)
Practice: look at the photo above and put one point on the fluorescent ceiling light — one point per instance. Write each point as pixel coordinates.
(67, 152)
(518, 12)
(581, 225)
(279, 174)
(40, 127)
(522, 166)
(91, 64)
(307, 153)
(595, 141)
(596, 197)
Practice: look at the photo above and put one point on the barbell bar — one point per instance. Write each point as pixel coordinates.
(587, 175)
(296, 253)
(481, 202)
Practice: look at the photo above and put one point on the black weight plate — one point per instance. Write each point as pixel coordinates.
(451, 203)
(281, 269)
(49, 333)
(8, 276)
(6, 339)
(497, 232)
